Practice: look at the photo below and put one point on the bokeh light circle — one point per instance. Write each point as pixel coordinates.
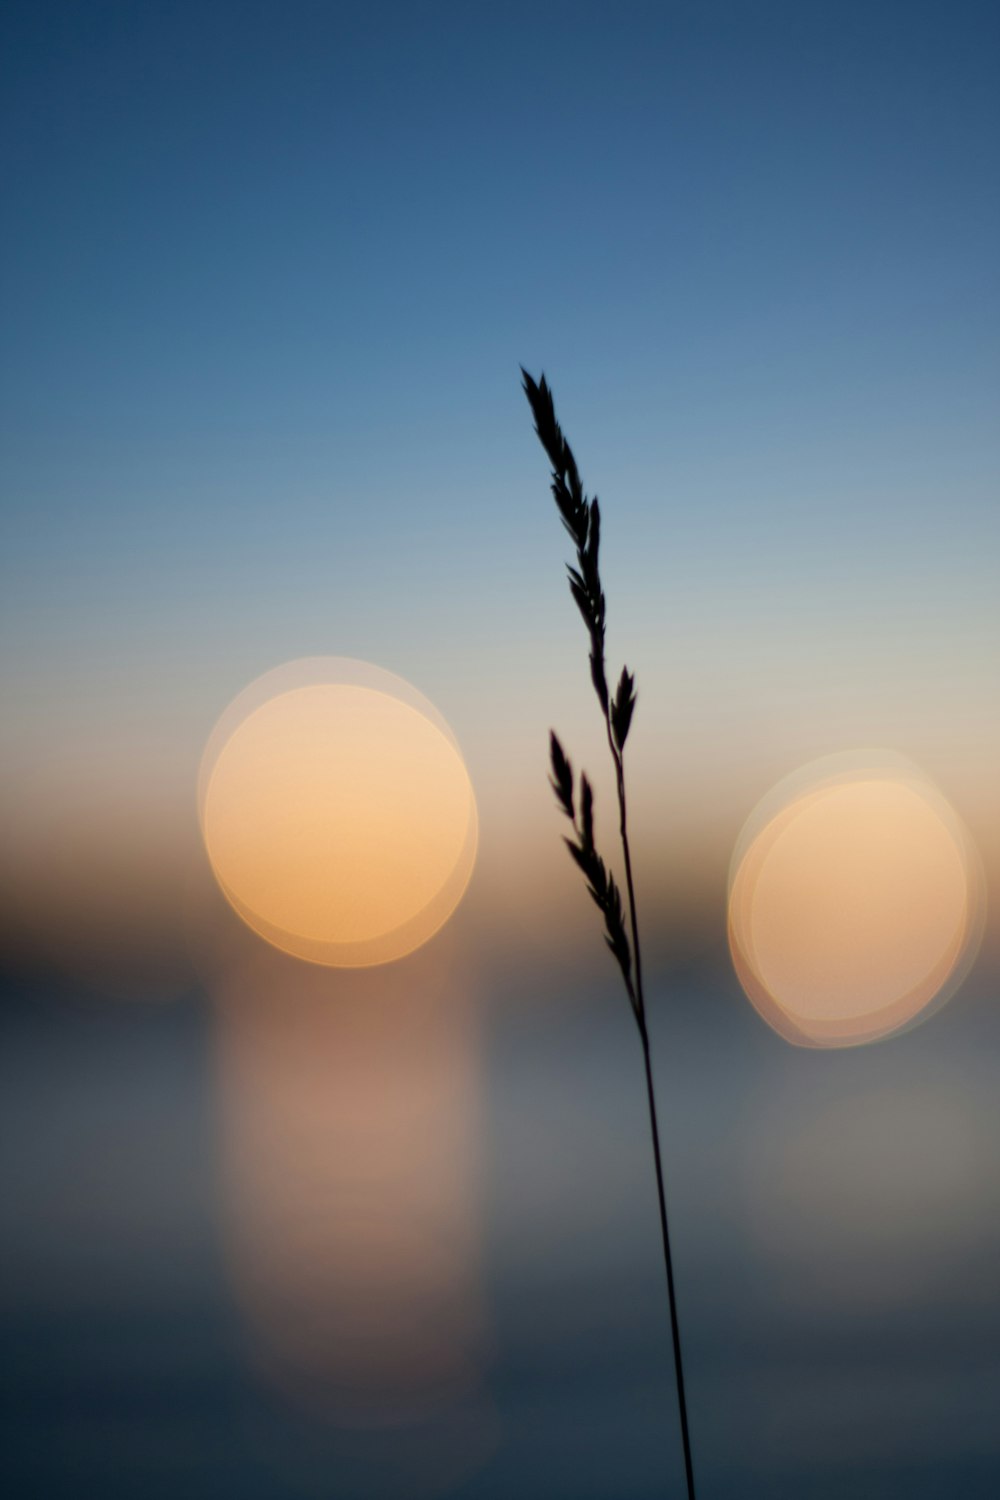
(337, 812)
(856, 901)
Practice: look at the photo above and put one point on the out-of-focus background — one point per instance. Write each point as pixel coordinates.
(278, 1230)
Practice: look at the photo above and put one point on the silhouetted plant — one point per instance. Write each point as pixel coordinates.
(582, 519)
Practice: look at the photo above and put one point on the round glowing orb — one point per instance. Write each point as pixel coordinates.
(856, 899)
(337, 813)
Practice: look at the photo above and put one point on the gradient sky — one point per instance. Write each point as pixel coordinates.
(269, 271)
(268, 276)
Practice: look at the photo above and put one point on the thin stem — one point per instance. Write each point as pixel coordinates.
(644, 1035)
(668, 1262)
(618, 758)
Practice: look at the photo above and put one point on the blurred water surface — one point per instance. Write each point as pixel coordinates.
(836, 1221)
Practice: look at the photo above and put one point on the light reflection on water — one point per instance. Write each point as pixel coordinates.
(350, 1152)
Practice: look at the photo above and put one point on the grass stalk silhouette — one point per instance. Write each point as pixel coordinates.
(582, 519)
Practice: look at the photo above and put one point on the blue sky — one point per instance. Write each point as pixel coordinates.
(269, 272)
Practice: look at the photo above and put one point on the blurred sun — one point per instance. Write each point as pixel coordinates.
(855, 901)
(337, 813)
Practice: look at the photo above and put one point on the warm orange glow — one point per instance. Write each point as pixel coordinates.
(337, 814)
(855, 901)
